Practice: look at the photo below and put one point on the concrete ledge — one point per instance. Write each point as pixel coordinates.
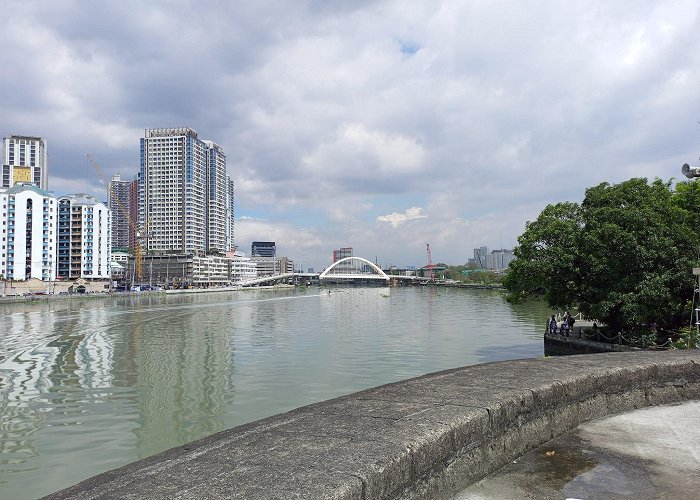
(427, 437)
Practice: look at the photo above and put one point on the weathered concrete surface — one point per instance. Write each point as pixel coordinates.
(428, 437)
(644, 454)
(576, 343)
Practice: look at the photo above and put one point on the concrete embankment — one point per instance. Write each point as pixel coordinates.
(577, 343)
(427, 437)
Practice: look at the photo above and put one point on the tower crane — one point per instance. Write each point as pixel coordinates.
(431, 273)
(138, 233)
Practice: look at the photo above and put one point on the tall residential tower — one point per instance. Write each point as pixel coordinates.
(183, 193)
(119, 202)
(25, 160)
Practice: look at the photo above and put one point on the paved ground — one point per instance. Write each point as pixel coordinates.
(644, 454)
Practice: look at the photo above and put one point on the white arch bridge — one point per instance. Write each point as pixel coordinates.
(353, 269)
(347, 270)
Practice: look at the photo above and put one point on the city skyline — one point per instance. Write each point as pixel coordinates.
(379, 125)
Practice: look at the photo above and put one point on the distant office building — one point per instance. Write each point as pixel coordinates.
(481, 257)
(184, 197)
(342, 253)
(25, 160)
(83, 238)
(119, 197)
(28, 232)
(270, 266)
(263, 249)
(500, 259)
(496, 259)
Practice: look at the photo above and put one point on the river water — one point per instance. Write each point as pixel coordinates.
(91, 384)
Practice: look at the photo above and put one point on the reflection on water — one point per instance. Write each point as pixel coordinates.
(89, 385)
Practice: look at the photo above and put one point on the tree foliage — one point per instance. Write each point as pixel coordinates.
(624, 255)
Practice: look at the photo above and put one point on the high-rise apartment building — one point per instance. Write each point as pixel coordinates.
(230, 213)
(25, 160)
(27, 233)
(119, 203)
(83, 238)
(183, 192)
(217, 191)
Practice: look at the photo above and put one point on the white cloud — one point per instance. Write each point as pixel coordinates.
(396, 219)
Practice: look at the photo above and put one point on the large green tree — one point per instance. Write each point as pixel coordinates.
(624, 255)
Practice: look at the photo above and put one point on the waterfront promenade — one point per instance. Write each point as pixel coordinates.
(643, 454)
(423, 438)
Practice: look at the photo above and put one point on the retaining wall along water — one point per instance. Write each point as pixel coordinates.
(427, 437)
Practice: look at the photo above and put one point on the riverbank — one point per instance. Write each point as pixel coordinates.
(107, 294)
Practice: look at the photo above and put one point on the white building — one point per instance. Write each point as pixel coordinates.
(84, 246)
(28, 236)
(25, 160)
(242, 268)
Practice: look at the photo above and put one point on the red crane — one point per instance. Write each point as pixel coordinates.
(431, 273)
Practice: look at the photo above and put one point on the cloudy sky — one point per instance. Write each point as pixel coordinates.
(381, 125)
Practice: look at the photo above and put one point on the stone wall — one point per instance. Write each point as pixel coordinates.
(423, 438)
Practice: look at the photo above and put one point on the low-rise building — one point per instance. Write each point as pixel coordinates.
(272, 266)
(185, 270)
(242, 268)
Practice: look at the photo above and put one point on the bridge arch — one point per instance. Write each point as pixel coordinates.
(350, 267)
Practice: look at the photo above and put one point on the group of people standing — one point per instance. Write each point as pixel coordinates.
(564, 327)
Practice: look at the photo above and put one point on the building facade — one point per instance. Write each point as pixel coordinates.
(272, 266)
(188, 270)
(28, 239)
(119, 204)
(342, 253)
(242, 268)
(185, 194)
(25, 160)
(83, 238)
(217, 196)
(172, 191)
(263, 249)
(494, 260)
(230, 214)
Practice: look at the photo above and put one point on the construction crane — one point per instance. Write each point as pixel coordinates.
(431, 273)
(138, 251)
